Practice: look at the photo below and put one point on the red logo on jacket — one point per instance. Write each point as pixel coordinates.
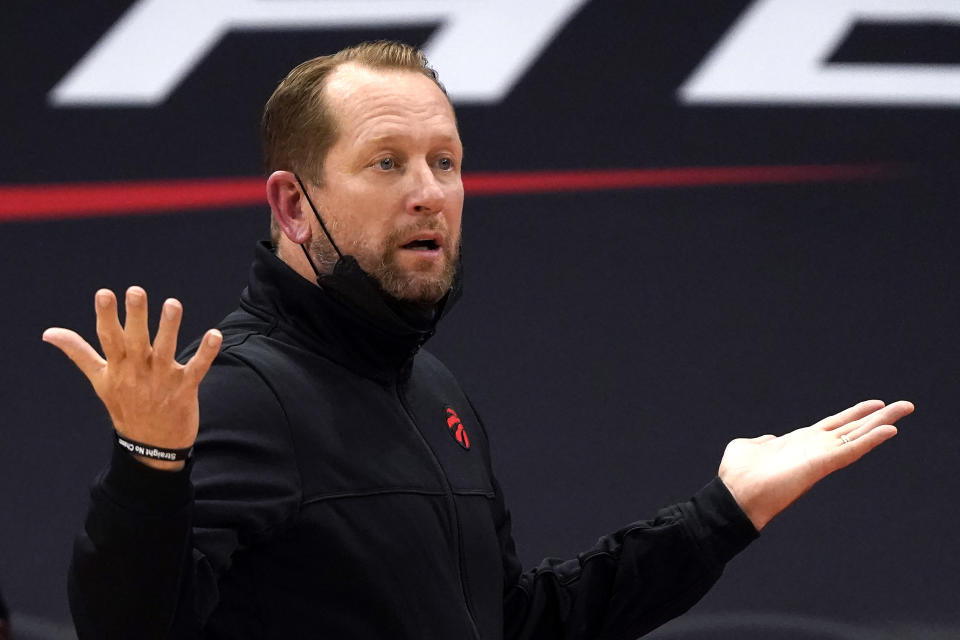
(456, 429)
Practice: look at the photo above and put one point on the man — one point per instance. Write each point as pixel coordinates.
(339, 483)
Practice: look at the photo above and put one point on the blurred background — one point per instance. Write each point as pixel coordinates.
(685, 222)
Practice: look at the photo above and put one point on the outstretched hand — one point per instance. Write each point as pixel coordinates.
(766, 474)
(151, 398)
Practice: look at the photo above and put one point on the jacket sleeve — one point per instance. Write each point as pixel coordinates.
(156, 542)
(631, 581)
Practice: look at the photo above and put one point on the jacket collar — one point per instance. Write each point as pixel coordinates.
(369, 335)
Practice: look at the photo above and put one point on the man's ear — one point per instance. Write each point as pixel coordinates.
(285, 198)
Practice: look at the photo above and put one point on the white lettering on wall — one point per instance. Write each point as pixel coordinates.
(481, 47)
(776, 54)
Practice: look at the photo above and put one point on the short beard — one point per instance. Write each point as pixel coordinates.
(422, 288)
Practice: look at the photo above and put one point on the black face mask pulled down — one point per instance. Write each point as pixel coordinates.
(353, 287)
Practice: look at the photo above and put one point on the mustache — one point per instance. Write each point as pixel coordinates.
(434, 224)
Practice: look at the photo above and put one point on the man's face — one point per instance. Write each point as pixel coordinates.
(391, 192)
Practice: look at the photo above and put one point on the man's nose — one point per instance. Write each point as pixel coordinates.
(426, 193)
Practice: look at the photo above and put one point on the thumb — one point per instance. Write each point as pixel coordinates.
(77, 349)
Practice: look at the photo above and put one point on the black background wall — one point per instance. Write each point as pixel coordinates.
(614, 339)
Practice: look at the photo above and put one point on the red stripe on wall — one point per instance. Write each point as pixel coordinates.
(563, 181)
(94, 199)
(80, 200)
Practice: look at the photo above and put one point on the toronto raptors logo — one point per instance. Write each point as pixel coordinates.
(456, 429)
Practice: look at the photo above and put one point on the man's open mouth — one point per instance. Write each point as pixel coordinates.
(421, 245)
(424, 242)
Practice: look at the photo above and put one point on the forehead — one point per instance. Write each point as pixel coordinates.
(371, 103)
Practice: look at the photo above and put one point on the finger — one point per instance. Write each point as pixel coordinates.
(856, 449)
(886, 416)
(109, 330)
(764, 438)
(199, 364)
(77, 349)
(846, 416)
(845, 429)
(136, 336)
(165, 344)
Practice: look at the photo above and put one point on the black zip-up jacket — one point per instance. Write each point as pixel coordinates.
(341, 487)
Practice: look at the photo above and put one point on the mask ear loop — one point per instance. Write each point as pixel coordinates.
(322, 226)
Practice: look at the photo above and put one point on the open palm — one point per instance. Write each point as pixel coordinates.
(151, 398)
(768, 473)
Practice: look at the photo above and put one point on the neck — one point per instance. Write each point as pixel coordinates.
(291, 254)
(421, 316)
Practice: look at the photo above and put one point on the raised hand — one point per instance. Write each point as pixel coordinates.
(766, 474)
(150, 397)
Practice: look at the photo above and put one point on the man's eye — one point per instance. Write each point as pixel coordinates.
(445, 163)
(386, 164)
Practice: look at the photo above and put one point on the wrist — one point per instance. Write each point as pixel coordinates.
(155, 457)
(142, 488)
(750, 505)
(163, 465)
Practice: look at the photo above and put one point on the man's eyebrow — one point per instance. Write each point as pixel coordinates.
(397, 137)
